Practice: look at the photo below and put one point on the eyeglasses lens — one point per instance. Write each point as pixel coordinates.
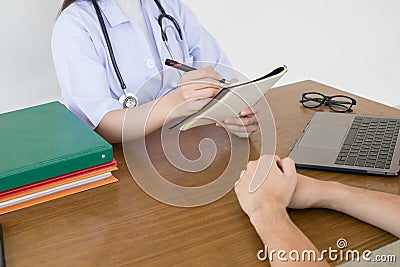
(340, 103)
(312, 100)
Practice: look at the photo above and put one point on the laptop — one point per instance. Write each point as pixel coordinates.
(351, 143)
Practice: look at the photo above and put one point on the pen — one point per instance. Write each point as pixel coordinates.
(2, 256)
(186, 68)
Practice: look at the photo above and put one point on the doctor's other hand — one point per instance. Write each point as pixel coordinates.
(276, 190)
(196, 89)
(244, 125)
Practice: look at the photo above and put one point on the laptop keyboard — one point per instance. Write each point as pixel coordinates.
(370, 142)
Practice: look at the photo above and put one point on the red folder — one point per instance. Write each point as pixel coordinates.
(110, 166)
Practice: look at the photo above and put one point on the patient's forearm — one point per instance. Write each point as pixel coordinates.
(279, 233)
(377, 208)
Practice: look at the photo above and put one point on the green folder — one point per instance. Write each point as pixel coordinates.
(45, 141)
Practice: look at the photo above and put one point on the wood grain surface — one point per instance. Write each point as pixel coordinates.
(120, 225)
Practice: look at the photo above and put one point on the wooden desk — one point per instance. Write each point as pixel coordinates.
(119, 225)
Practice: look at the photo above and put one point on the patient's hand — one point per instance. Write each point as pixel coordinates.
(276, 190)
(309, 192)
(282, 186)
(244, 125)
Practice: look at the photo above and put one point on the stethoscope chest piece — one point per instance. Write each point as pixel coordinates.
(128, 100)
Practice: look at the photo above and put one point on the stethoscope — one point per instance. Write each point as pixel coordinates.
(129, 100)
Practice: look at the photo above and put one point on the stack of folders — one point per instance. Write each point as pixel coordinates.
(46, 153)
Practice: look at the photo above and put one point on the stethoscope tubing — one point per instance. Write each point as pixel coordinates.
(109, 46)
(128, 97)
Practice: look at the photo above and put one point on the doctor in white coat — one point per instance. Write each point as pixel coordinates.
(90, 86)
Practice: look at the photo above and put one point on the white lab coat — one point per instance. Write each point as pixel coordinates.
(87, 79)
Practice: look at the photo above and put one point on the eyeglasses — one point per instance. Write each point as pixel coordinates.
(338, 103)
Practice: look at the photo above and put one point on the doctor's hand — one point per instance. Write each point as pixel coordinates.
(196, 89)
(244, 125)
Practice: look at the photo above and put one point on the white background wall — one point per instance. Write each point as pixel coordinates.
(27, 75)
(353, 45)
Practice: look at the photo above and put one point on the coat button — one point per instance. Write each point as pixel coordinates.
(150, 63)
(174, 85)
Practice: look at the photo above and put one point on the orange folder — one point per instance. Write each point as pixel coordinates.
(67, 192)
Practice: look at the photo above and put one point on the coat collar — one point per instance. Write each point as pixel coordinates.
(112, 12)
(115, 15)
